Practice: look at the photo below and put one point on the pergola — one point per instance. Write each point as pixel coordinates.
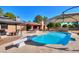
(63, 13)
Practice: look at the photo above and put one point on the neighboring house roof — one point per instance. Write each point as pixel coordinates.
(66, 17)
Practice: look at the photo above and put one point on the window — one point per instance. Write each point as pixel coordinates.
(4, 26)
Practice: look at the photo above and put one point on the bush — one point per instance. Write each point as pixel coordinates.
(65, 25)
(28, 27)
(71, 26)
(76, 25)
(57, 25)
(50, 25)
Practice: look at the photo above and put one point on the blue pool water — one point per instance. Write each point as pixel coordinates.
(53, 38)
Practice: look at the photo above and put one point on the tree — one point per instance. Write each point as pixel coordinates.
(50, 25)
(10, 15)
(38, 19)
(1, 12)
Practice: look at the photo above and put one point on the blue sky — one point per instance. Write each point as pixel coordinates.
(27, 13)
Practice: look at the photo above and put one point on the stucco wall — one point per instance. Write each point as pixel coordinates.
(11, 28)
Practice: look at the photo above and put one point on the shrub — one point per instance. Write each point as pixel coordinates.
(75, 25)
(57, 25)
(28, 27)
(65, 25)
(50, 25)
(71, 26)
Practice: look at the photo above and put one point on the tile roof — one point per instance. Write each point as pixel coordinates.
(10, 21)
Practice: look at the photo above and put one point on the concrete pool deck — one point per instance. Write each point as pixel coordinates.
(73, 46)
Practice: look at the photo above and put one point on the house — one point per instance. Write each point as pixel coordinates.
(11, 27)
(71, 18)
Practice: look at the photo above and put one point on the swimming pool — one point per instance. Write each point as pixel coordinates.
(53, 38)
